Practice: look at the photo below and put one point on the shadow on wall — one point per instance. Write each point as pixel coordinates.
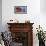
(43, 6)
(0, 15)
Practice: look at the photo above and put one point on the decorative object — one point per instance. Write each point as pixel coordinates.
(13, 21)
(1, 40)
(45, 34)
(27, 21)
(7, 38)
(41, 36)
(20, 9)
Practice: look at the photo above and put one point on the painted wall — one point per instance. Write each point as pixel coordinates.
(0, 15)
(34, 14)
(43, 14)
(33, 11)
(43, 6)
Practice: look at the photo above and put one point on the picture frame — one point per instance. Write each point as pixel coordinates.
(20, 9)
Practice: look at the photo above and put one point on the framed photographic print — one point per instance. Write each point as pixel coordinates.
(20, 9)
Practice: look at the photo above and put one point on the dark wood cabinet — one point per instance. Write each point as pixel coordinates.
(22, 33)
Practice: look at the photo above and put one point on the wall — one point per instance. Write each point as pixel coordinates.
(43, 14)
(33, 11)
(34, 14)
(0, 15)
(43, 6)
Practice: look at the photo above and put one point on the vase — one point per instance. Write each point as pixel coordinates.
(41, 43)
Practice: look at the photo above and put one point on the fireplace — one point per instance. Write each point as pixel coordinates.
(20, 38)
(22, 33)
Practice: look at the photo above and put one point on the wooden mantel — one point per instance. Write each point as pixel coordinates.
(23, 27)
